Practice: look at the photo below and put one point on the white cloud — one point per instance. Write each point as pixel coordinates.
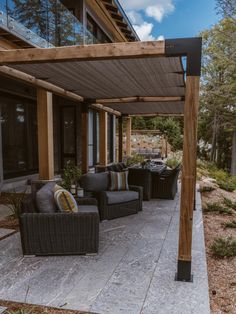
(144, 31)
(160, 37)
(138, 9)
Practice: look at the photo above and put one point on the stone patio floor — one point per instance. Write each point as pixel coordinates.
(133, 272)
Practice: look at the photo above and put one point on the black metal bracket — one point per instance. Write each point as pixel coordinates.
(189, 47)
(184, 271)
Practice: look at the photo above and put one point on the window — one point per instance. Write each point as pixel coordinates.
(96, 31)
(19, 136)
(93, 138)
(110, 138)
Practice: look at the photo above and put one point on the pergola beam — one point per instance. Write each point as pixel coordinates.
(29, 79)
(83, 53)
(107, 109)
(110, 101)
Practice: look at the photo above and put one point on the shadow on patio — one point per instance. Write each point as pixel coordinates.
(133, 272)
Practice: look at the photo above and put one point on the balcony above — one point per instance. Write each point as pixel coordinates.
(41, 23)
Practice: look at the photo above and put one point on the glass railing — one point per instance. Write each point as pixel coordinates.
(44, 23)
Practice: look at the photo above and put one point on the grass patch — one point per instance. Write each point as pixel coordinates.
(217, 208)
(227, 185)
(229, 203)
(203, 189)
(19, 312)
(229, 224)
(223, 247)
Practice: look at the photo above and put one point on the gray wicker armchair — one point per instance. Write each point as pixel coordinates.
(59, 233)
(111, 204)
(141, 177)
(165, 185)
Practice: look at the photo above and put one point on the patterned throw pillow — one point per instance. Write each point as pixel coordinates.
(65, 201)
(119, 181)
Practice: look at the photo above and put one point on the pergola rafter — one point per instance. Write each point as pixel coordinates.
(111, 74)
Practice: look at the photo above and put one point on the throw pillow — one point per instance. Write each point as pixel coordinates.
(119, 181)
(65, 201)
(45, 199)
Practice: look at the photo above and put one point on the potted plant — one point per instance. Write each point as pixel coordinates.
(70, 177)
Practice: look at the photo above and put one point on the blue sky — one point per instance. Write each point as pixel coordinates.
(155, 19)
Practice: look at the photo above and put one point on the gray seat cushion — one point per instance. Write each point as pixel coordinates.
(116, 197)
(45, 199)
(95, 182)
(88, 209)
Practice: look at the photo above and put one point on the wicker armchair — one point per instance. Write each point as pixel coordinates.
(59, 233)
(165, 185)
(112, 204)
(141, 177)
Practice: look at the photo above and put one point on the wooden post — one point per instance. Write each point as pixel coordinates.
(120, 152)
(85, 138)
(128, 136)
(45, 134)
(188, 184)
(103, 137)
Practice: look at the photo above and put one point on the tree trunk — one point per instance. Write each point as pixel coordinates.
(233, 159)
(214, 136)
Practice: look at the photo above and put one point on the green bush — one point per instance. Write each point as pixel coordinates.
(203, 189)
(134, 159)
(229, 203)
(227, 185)
(223, 247)
(172, 162)
(230, 224)
(14, 202)
(217, 208)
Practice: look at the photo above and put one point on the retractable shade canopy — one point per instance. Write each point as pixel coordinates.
(111, 73)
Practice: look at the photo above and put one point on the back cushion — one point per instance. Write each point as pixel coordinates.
(45, 199)
(119, 181)
(95, 182)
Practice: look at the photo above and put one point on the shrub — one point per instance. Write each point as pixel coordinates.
(22, 311)
(134, 159)
(172, 162)
(230, 224)
(223, 247)
(217, 208)
(227, 185)
(206, 188)
(229, 203)
(71, 175)
(14, 202)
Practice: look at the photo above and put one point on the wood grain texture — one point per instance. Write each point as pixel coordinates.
(109, 101)
(45, 134)
(83, 53)
(103, 138)
(188, 182)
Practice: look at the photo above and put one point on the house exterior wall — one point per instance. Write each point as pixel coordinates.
(26, 94)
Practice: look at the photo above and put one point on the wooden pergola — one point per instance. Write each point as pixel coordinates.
(125, 79)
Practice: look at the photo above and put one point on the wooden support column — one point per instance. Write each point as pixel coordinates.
(120, 147)
(85, 138)
(103, 137)
(45, 134)
(128, 136)
(188, 182)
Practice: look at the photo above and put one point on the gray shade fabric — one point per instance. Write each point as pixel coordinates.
(95, 182)
(88, 209)
(157, 76)
(117, 197)
(45, 199)
(176, 107)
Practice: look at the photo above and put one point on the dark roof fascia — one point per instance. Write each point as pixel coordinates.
(189, 47)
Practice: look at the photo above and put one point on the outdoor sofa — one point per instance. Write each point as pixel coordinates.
(111, 204)
(165, 184)
(58, 233)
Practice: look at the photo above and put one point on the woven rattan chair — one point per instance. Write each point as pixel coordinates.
(141, 177)
(165, 185)
(111, 204)
(59, 233)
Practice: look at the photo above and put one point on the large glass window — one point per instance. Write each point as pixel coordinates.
(93, 141)
(110, 138)
(96, 31)
(19, 136)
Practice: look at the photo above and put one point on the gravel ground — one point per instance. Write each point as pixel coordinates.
(221, 272)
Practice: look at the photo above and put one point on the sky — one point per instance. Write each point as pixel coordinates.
(163, 19)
